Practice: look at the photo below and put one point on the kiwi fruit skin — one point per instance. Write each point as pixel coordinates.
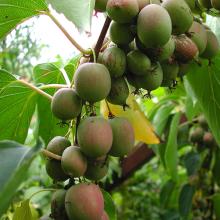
(92, 82)
(154, 26)
(100, 5)
(66, 104)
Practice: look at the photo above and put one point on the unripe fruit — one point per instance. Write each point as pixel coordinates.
(122, 11)
(123, 137)
(205, 3)
(216, 4)
(92, 82)
(66, 104)
(167, 50)
(196, 134)
(53, 167)
(84, 202)
(143, 3)
(105, 216)
(138, 63)
(95, 136)
(58, 144)
(96, 170)
(119, 92)
(152, 80)
(154, 26)
(100, 5)
(186, 50)
(181, 15)
(212, 47)
(73, 162)
(55, 171)
(183, 69)
(170, 72)
(208, 139)
(198, 36)
(121, 34)
(115, 60)
(203, 122)
(58, 204)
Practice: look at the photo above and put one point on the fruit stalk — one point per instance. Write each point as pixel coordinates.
(50, 154)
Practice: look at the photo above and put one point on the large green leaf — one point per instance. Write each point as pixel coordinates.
(48, 125)
(204, 81)
(17, 105)
(13, 12)
(185, 200)
(79, 12)
(23, 212)
(14, 163)
(171, 152)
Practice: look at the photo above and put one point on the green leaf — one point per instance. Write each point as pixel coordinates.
(171, 153)
(23, 212)
(109, 205)
(216, 202)
(13, 12)
(71, 67)
(14, 163)
(48, 125)
(79, 12)
(5, 78)
(185, 200)
(17, 105)
(166, 193)
(192, 162)
(215, 170)
(204, 81)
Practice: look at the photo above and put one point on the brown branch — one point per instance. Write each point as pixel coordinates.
(102, 37)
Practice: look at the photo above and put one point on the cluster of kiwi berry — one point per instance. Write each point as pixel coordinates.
(201, 135)
(85, 162)
(153, 42)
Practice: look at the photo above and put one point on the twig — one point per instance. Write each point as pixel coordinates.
(51, 155)
(102, 37)
(69, 37)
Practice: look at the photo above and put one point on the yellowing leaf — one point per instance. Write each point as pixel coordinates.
(143, 129)
(23, 212)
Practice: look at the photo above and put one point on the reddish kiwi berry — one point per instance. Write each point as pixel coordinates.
(138, 63)
(73, 162)
(95, 136)
(92, 82)
(105, 216)
(123, 137)
(186, 50)
(122, 11)
(100, 5)
(208, 139)
(84, 202)
(121, 34)
(119, 92)
(196, 134)
(115, 60)
(96, 170)
(66, 104)
(58, 205)
(154, 26)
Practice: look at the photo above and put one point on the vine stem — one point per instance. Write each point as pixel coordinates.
(41, 92)
(51, 155)
(102, 36)
(69, 37)
(53, 86)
